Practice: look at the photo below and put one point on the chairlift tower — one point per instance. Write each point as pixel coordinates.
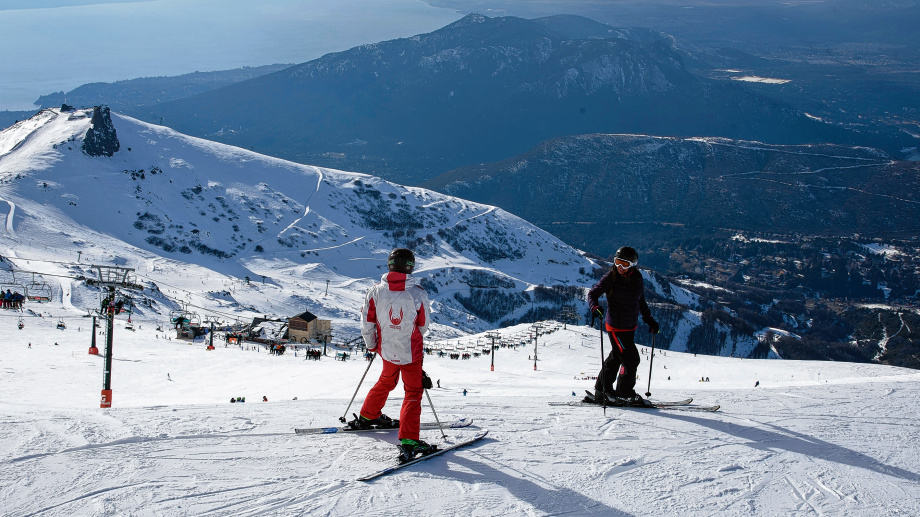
(211, 321)
(536, 327)
(111, 278)
(493, 336)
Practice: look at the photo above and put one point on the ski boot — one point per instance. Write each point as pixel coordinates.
(634, 400)
(602, 398)
(411, 449)
(381, 422)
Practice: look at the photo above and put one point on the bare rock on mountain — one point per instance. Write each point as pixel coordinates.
(101, 138)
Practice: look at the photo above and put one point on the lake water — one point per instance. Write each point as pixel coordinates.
(50, 49)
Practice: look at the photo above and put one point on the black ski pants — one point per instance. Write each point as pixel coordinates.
(621, 364)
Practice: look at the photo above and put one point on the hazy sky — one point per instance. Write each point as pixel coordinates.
(59, 48)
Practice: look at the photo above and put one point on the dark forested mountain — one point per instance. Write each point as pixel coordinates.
(604, 187)
(849, 62)
(829, 27)
(478, 90)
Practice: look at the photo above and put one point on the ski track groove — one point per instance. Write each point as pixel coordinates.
(82, 497)
(135, 440)
(213, 492)
(270, 503)
(801, 496)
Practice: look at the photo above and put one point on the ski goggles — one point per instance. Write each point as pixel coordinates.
(624, 263)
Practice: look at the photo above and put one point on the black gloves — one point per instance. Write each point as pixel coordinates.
(426, 380)
(653, 327)
(596, 313)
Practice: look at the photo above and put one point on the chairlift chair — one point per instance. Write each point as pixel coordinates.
(60, 324)
(21, 324)
(15, 288)
(38, 291)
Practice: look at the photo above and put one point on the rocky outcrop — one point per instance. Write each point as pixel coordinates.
(100, 138)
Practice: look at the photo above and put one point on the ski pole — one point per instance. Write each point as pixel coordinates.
(648, 390)
(436, 419)
(603, 375)
(343, 417)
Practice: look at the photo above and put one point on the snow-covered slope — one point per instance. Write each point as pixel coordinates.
(198, 218)
(814, 438)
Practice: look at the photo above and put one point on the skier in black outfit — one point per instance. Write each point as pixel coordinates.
(624, 289)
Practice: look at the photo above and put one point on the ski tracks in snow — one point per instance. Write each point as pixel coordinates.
(8, 223)
(319, 182)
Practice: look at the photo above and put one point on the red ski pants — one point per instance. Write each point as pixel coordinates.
(412, 403)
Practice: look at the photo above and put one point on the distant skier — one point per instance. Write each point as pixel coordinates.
(393, 320)
(624, 289)
(756, 383)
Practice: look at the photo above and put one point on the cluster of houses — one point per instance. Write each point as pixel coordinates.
(304, 328)
(277, 334)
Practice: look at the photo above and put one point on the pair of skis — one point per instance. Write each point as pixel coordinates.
(441, 450)
(424, 426)
(677, 405)
(457, 424)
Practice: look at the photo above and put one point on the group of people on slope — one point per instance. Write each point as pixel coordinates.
(395, 318)
(10, 300)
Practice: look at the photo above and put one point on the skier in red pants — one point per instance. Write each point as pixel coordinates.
(393, 321)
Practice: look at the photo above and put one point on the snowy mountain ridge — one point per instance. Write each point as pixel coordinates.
(306, 237)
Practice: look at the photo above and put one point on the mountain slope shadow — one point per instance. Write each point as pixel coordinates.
(792, 441)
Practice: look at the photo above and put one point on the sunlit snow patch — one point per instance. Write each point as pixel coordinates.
(758, 79)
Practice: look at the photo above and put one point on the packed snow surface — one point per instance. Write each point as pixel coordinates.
(814, 438)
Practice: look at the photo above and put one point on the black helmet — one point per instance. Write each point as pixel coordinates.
(401, 260)
(628, 254)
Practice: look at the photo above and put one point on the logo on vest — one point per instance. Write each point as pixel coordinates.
(395, 321)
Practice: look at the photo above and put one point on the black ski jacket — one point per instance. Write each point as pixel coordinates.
(625, 298)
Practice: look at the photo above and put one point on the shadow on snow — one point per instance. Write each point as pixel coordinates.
(768, 440)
